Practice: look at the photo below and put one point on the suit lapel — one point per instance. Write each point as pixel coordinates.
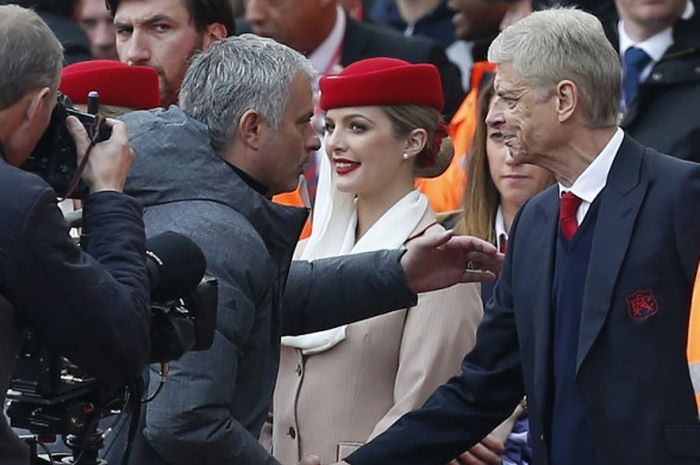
(619, 206)
(542, 242)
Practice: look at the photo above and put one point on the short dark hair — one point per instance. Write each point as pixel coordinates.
(202, 13)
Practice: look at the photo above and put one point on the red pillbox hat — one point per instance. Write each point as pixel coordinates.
(382, 81)
(119, 84)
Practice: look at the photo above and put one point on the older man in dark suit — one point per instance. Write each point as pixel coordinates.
(590, 316)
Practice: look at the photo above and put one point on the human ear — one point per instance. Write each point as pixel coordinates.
(415, 142)
(37, 106)
(566, 100)
(250, 128)
(213, 33)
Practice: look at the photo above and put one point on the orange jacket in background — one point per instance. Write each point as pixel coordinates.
(294, 199)
(694, 340)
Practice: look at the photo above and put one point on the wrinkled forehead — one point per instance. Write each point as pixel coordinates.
(507, 79)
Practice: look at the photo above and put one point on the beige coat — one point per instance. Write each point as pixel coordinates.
(330, 403)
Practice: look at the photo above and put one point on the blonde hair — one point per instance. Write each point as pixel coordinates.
(406, 118)
(481, 197)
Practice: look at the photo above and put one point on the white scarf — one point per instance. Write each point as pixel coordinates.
(333, 234)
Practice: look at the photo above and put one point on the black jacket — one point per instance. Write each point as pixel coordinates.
(665, 114)
(92, 308)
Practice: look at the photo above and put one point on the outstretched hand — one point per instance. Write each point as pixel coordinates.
(442, 260)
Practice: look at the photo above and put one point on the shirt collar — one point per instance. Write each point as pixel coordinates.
(655, 46)
(593, 179)
(500, 226)
(322, 58)
(500, 223)
(689, 10)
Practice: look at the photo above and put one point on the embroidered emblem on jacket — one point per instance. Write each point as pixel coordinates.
(642, 304)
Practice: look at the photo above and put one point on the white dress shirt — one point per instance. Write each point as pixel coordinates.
(593, 179)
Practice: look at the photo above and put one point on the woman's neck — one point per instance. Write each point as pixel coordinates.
(371, 207)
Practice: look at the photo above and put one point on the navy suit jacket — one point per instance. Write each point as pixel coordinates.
(632, 372)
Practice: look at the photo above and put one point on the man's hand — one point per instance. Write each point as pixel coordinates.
(109, 162)
(311, 460)
(442, 260)
(487, 452)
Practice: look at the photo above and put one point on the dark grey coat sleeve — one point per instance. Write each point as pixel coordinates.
(354, 287)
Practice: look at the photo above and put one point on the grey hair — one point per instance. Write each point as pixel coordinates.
(552, 45)
(31, 55)
(236, 75)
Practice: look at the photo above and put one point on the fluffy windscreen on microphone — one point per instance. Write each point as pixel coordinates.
(175, 265)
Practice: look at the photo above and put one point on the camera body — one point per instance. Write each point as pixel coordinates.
(50, 395)
(55, 159)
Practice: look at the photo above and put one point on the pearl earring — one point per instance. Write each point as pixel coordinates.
(405, 156)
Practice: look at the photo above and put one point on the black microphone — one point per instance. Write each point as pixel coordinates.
(175, 266)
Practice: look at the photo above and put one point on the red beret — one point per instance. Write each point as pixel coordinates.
(382, 81)
(118, 83)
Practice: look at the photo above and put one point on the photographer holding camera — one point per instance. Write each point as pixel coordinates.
(93, 308)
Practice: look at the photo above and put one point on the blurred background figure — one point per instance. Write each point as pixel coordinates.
(355, 8)
(428, 18)
(97, 22)
(604, 10)
(238, 7)
(338, 388)
(659, 46)
(60, 15)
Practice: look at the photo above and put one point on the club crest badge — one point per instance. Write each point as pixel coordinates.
(642, 304)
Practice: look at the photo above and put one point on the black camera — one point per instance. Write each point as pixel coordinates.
(55, 158)
(50, 395)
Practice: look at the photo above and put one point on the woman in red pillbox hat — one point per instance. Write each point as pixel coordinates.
(338, 388)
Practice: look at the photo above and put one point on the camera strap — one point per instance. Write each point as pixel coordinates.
(99, 120)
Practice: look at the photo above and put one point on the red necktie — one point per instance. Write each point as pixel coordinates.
(568, 205)
(502, 243)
